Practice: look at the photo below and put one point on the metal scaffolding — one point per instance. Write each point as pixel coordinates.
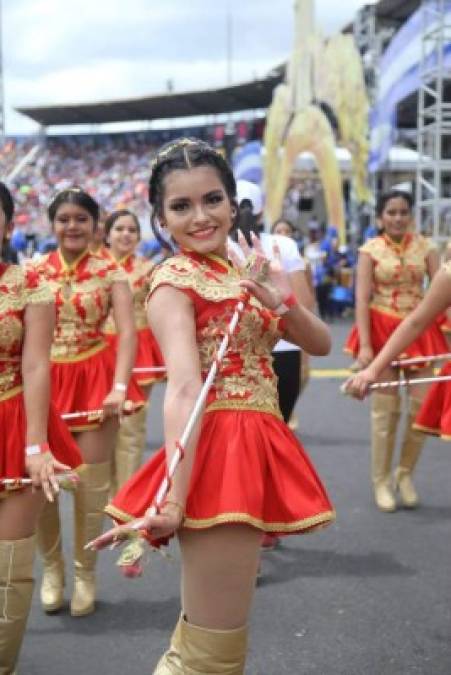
(433, 180)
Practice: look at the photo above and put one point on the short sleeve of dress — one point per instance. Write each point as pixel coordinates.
(370, 246)
(430, 245)
(36, 290)
(116, 273)
(175, 272)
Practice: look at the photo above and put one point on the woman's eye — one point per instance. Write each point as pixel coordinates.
(179, 206)
(215, 199)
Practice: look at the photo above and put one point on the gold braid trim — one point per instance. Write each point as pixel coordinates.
(316, 521)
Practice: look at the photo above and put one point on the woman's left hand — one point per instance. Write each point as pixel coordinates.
(113, 404)
(265, 279)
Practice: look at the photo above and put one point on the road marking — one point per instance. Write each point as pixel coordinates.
(330, 373)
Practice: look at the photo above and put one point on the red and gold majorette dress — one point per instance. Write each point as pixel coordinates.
(148, 354)
(398, 278)
(249, 467)
(82, 362)
(434, 416)
(20, 287)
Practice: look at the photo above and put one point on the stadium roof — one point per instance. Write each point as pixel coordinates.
(396, 10)
(248, 96)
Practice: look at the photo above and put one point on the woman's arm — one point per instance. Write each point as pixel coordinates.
(432, 263)
(38, 324)
(124, 319)
(301, 289)
(437, 299)
(364, 284)
(171, 318)
(305, 329)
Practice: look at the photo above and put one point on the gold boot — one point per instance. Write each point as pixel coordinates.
(90, 500)
(16, 590)
(130, 444)
(171, 663)
(212, 651)
(410, 452)
(49, 545)
(385, 411)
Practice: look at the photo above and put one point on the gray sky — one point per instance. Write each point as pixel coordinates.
(69, 51)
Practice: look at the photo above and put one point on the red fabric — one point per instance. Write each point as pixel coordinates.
(83, 385)
(248, 465)
(12, 439)
(434, 416)
(383, 325)
(148, 355)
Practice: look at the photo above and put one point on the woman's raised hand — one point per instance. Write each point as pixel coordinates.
(265, 279)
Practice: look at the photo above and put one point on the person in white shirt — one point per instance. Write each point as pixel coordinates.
(287, 357)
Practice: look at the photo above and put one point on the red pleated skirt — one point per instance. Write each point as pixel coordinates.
(148, 355)
(434, 416)
(382, 325)
(83, 385)
(249, 468)
(13, 439)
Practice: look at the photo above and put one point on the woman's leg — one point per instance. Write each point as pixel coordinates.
(219, 568)
(385, 413)
(90, 499)
(130, 444)
(18, 519)
(412, 444)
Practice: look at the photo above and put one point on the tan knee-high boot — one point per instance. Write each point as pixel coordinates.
(385, 411)
(90, 499)
(49, 545)
(171, 663)
(130, 444)
(212, 651)
(410, 452)
(16, 590)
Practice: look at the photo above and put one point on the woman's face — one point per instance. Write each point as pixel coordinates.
(284, 229)
(396, 218)
(73, 227)
(123, 236)
(196, 210)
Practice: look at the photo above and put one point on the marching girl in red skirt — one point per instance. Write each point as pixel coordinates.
(244, 472)
(390, 278)
(86, 375)
(34, 441)
(435, 414)
(123, 232)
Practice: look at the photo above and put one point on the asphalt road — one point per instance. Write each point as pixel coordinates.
(370, 595)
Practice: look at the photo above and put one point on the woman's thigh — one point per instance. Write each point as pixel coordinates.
(97, 446)
(19, 514)
(219, 568)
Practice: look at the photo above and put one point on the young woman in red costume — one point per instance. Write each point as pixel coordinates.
(35, 442)
(390, 278)
(434, 416)
(86, 375)
(123, 233)
(244, 472)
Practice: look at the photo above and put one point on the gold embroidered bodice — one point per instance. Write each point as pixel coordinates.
(19, 287)
(246, 379)
(399, 272)
(138, 272)
(82, 293)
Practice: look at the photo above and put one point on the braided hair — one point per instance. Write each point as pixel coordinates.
(184, 154)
